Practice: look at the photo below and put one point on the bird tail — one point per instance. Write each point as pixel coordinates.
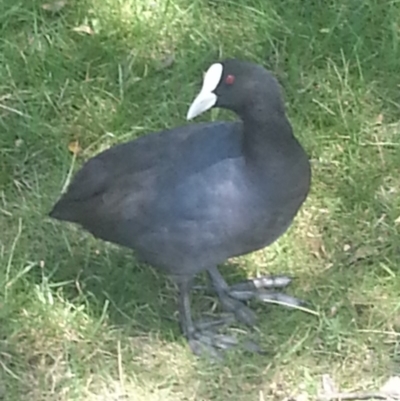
(64, 211)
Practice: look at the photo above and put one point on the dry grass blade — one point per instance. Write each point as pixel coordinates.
(84, 29)
(357, 396)
(55, 6)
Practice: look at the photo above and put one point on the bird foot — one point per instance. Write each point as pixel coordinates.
(233, 297)
(205, 340)
(203, 337)
(261, 288)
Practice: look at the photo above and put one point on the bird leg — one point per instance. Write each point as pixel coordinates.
(233, 297)
(200, 337)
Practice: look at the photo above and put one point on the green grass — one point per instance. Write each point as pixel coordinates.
(77, 317)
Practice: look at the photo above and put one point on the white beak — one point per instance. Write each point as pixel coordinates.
(206, 98)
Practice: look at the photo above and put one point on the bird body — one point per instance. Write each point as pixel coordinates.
(184, 197)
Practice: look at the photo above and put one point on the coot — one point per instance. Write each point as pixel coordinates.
(189, 198)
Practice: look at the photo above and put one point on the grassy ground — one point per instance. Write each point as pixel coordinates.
(78, 320)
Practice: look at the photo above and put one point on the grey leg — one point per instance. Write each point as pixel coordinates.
(200, 339)
(242, 312)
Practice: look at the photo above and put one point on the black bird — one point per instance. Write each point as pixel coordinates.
(189, 198)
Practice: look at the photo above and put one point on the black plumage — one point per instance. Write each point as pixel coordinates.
(189, 198)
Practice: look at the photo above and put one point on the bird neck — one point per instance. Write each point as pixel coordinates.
(268, 134)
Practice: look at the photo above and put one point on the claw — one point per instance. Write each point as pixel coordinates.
(243, 295)
(242, 313)
(224, 341)
(262, 282)
(206, 324)
(279, 297)
(199, 348)
(258, 288)
(253, 347)
(208, 342)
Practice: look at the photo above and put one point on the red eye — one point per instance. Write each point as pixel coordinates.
(230, 79)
